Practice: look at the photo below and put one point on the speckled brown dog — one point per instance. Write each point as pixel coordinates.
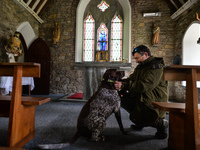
(92, 118)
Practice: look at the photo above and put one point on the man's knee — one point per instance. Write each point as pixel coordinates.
(143, 117)
(127, 104)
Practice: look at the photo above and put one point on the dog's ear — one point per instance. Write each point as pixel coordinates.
(108, 73)
(120, 74)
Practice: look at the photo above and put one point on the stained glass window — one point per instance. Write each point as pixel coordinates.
(102, 37)
(103, 6)
(116, 38)
(88, 48)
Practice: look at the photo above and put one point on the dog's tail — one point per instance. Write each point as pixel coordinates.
(60, 145)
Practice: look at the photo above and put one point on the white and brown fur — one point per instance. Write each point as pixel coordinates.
(92, 118)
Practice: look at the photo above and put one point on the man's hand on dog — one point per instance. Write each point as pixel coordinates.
(118, 85)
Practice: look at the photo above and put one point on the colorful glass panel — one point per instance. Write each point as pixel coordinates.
(102, 37)
(116, 38)
(103, 6)
(88, 48)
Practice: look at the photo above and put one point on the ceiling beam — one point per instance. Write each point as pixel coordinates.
(171, 6)
(44, 7)
(177, 3)
(30, 10)
(38, 6)
(32, 3)
(187, 5)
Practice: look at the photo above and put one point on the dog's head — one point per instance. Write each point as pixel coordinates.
(110, 76)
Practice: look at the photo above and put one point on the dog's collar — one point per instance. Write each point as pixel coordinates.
(109, 80)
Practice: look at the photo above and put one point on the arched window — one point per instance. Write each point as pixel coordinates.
(116, 38)
(104, 15)
(88, 48)
(102, 38)
(105, 41)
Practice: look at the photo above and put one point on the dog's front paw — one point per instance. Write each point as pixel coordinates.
(98, 139)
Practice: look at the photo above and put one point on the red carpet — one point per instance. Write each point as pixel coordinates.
(76, 96)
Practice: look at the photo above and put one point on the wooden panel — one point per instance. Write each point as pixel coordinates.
(39, 52)
(29, 69)
(21, 128)
(24, 129)
(191, 110)
(172, 107)
(176, 131)
(179, 72)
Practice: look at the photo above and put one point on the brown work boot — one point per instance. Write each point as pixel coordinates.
(161, 126)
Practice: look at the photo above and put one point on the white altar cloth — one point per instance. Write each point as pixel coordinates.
(7, 83)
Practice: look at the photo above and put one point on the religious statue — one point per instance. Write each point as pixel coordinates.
(56, 34)
(156, 32)
(14, 47)
(102, 40)
(197, 16)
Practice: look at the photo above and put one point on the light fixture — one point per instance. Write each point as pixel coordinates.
(153, 14)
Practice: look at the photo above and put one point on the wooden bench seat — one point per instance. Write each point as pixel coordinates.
(177, 117)
(172, 107)
(26, 100)
(184, 126)
(23, 124)
(20, 109)
(10, 148)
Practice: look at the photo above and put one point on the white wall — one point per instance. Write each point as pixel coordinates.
(29, 35)
(191, 50)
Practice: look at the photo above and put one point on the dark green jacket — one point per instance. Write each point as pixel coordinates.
(146, 83)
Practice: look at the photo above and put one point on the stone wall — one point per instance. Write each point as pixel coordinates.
(11, 16)
(64, 79)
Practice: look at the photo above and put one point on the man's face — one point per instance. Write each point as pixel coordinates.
(140, 58)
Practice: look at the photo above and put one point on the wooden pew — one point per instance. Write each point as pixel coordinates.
(183, 118)
(20, 110)
(176, 123)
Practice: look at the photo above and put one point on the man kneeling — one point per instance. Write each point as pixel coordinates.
(144, 86)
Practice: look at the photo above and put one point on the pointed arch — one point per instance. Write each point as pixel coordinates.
(116, 37)
(191, 50)
(102, 37)
(88, 43)
(126, 29)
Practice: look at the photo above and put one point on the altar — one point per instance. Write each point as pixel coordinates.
(7, 83)
(93, 74)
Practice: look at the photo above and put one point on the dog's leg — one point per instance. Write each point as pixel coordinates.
(119, 120)
(95, 136)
